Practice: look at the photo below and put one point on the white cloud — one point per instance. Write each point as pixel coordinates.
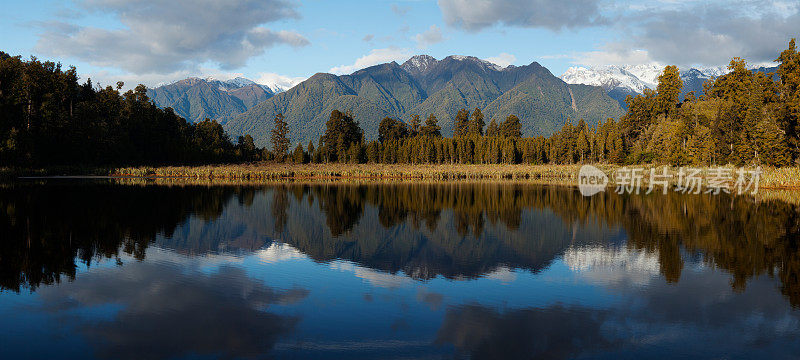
(612, 56)
(375, 57)
(504, 59)
(164, 36)
(431, 36)
(712, 34)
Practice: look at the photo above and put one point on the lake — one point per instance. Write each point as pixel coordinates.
(130, 269)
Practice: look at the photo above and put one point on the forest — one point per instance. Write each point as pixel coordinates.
(48, 118)
(742, 118)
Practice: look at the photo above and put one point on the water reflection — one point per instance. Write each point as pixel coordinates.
(168, 312)
(470, 270)
(457, 230)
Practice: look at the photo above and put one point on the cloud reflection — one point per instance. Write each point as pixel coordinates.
(170, 312)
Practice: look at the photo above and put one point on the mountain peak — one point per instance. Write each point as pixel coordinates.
(418, 64)
(485, 63)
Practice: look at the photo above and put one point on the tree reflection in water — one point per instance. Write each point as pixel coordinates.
(455, 230)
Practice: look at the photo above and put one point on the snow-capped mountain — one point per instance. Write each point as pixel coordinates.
(418, 64)
(620, 81)
(609, 78)
(632, 77)
(233, 84)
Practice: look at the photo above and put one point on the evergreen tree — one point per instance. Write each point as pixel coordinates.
(373, 152)
(431, 127)
(789, 88)
(669, 89)
(476, 123)
(511, 127)
(299, 156)
(462, 122)
(415, 125)
(280, 141)
(493, 130)
(312, 152)
(340, 132)
(392, 129)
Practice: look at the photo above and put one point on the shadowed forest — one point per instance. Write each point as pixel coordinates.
(456, 230)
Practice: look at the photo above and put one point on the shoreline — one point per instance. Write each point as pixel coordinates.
(784, 178)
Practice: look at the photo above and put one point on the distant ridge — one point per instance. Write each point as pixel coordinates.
(424, 85)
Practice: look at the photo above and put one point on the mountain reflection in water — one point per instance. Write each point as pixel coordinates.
(479, 270)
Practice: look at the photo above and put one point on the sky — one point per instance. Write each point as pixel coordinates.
(285, 41)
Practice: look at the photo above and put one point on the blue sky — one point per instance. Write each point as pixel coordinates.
(158, 41)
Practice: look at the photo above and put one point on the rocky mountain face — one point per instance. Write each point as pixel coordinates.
(196, 99)
(424, 85)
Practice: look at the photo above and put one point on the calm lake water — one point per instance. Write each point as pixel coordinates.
(96, 269)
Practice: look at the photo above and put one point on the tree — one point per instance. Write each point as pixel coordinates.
(789, 87)
(280, 140)
(391, 129)
(299, 156)
(311, 151)
(461, 127)
(373, 152)
(476, 123)
(246, 146)
(415, 125)
(582, 140)
(431, 127)
(511, 127)
(669, 89)
(493, 130)
(340, 131)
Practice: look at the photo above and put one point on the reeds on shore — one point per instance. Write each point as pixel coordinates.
(776, 178)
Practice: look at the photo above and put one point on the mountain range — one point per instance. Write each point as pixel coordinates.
(623, 80)
(422, 85)
(196, 99)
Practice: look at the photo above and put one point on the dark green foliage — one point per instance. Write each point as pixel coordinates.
(493, 129)
(48, 118)
(299, 156)
(431, 127)
(341, 132)
(392, 129)
(280, 141)
(511, 127)
(476, 123)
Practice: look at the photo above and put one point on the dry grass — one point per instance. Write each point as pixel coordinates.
(774, 178)
(269, 171)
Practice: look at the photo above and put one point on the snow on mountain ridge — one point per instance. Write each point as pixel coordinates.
(635, 78)
(419, 63)
(608, 78)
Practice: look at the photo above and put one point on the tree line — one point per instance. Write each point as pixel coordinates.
(48, 118)
(743, 117)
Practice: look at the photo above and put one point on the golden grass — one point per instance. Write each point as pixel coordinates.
(776, 178)
(270, 171)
